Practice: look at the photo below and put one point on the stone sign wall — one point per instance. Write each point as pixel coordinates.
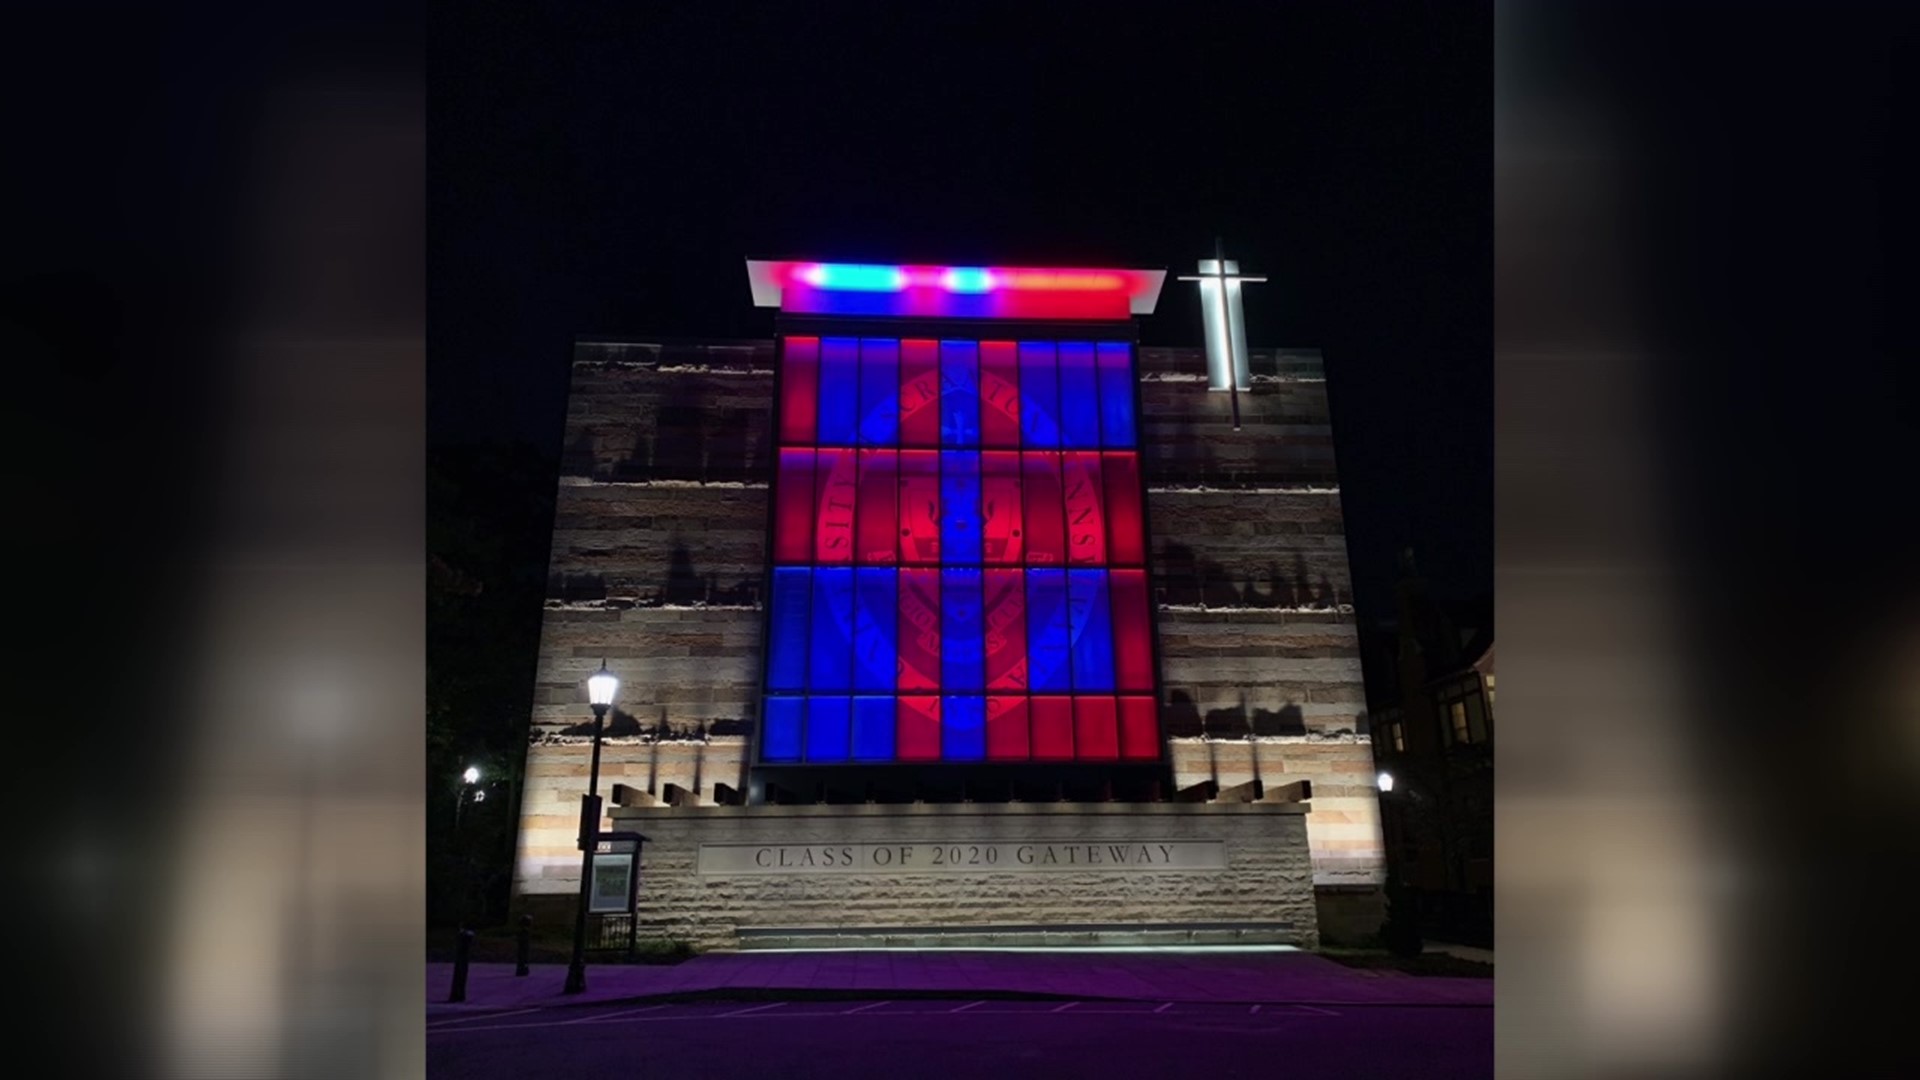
(709, 872)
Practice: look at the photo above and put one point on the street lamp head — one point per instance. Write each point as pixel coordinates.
(602, 686)
(1385, 781)
(472, 775)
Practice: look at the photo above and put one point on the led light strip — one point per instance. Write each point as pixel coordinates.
(867, 277)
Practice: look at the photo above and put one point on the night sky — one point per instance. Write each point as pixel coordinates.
(605, 171)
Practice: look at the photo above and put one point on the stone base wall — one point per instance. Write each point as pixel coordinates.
(1342, 825)
(1351, 914)
(1267, 881)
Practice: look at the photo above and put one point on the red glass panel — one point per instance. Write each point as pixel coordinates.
(999, 394)
(1006, 624)
(918, 736)
(1128, 544)
(1001, 519)
(1132, 630)
(834, 485)
(1006, 728)
(1086, 524)
(1096, 729)
(1139, 728)
(919, 393)
(920, 507)
(1046, 535)
(919, 630)
(793, 511)
(1052, 727)
(799, 389)
(879, 522)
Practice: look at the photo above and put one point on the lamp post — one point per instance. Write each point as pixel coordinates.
(467, 780)
(461, 854)
(1402, 929)
(600, 690)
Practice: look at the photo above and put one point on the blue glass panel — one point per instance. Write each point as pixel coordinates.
(1092, 621)
(827, 719)
(1116, 395)
(830, 660)
(1079, 396)
(874, 609)
(1039, 395)
(960, 506)
(873, 723)
(1047, 637)
(787, 628)
(780, 732)
(879, 392)
(963, 729)
(963, 643)
(959, 393)
(839, 390)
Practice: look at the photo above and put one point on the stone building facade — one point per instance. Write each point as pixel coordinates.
(659, 564)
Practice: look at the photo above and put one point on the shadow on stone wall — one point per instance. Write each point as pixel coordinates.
(624, 725)
(1182, 719)
(686, 586)
(683, 586)
(620, 725)
(1187, 579)
(1239, 723)
(691, 438)
(1198, 430)
(577, 588)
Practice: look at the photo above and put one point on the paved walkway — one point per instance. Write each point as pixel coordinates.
(1464, 952)
(1276, 976)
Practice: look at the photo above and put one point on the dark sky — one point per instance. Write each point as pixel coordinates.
(604, 169)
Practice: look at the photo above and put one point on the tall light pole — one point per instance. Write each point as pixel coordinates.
(467, 780)
(461, 854)
(1402, 930)
(600, 690)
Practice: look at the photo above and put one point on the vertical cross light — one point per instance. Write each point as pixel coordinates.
(1227, 367)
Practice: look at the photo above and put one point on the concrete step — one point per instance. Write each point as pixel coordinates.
(1010, 936)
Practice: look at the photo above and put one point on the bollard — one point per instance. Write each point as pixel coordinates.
(526, 944)
(460, 955)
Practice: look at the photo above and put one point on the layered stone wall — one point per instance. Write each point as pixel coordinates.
(1083, 868)
(658, 566)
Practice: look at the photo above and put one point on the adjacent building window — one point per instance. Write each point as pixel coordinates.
(1464, 721)
(959, 553)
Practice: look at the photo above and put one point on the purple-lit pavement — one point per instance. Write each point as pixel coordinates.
(1197, 976)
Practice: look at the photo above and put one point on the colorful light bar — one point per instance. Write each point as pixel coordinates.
(851, 277)
(984, 292)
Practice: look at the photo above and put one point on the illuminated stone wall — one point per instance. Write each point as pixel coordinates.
(659, 556)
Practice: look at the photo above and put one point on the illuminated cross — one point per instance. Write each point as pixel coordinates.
(1227, 367)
